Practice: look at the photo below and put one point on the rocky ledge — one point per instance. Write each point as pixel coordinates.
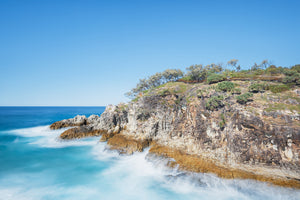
(79, 120)
(234, 140)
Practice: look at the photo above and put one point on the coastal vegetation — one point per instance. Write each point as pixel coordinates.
(244, 98)
(262, 76)
(214, 103)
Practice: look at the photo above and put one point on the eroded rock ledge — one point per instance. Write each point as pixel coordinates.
(79, 120)
(235, 141)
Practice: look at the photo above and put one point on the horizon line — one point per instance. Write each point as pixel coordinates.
(47, 106)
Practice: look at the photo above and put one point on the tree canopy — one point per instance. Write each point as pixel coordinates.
(214, 73)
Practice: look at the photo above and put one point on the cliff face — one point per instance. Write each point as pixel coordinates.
(233, 140)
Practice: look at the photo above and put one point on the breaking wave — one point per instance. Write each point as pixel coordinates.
(86, 169)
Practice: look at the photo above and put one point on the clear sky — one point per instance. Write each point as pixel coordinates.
(68, 53)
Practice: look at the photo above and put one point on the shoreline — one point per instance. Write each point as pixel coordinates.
(235, 141)
(194, 163)
(125, 144)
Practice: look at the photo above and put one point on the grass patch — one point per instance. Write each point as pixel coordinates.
(282, 106)
(279, 88)
(171, 87)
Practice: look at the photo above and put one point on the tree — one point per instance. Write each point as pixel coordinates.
(155, 80)
(272, 69)
(296, 68)
(140, 86)
(233, 63)
(213, 68)
(172, 74)
(255, 67)
(200, 73)
(196, 72)
(264, 64)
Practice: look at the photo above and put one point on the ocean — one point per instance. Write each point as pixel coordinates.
(36, 164)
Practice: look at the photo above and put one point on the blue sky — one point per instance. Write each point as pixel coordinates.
(89, 53)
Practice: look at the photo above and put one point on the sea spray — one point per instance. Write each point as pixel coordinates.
(44, 137)
(141, 172)
(36, 164)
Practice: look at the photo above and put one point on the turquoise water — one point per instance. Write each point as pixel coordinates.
(35, 164)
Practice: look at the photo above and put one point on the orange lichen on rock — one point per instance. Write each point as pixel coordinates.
(60, 124)
(80, 132)
(106, 136)
(127, 145)
(195, 163)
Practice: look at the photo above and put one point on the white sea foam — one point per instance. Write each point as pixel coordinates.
(49, 192)
(45, 137)
(128, 177)
(101, 153)
(137, 177)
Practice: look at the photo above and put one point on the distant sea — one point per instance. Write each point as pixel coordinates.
(36, 164)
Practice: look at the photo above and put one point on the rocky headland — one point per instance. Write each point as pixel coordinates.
(205, 128)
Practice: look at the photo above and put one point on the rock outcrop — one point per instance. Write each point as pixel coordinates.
(232, 141)
(79, 120)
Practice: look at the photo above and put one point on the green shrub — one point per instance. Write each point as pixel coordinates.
(215, 78)
(165, 92)
(296, 68)
(225, 86)
(259, 72)
(244, 98)
(288, 72)
(222, 122)
(294, 78)
(186, 78)
(273, 70)
(242, 74)
(288, 79)
(279, 88)
(236, 91)
(258, 87)
(214, 103)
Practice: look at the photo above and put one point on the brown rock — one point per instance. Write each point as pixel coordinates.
(196, 163)
(80, 132)
(61, 124)
(126, 145)
(106, 136)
